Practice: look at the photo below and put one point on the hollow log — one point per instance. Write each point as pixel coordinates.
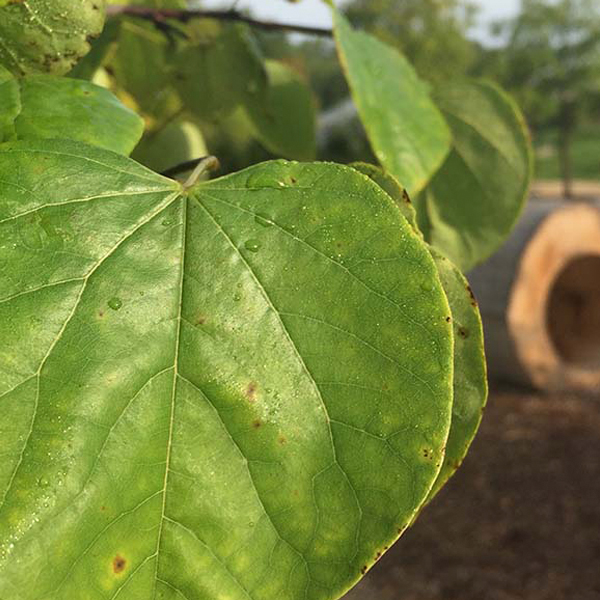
(540, 299)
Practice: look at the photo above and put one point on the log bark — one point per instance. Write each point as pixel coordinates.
(540, 299)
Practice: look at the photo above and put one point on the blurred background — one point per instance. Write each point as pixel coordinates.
(521, 519)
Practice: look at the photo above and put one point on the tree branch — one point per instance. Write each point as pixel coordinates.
(160, 15)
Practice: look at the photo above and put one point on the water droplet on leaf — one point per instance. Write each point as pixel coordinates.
(252, 245)
(115, 303)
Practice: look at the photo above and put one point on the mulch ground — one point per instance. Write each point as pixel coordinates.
(520, 519)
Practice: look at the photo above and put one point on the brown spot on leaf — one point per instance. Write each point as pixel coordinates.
(463, 332)
(473, 299)
(256, 424)
(282, 440)
(201, 320)
(101, 313)
(119, 564)
(406, 197)
(448, 319)
(364, 569)
(103, 508)
(250, 391)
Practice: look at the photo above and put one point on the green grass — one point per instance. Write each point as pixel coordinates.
(585, 152)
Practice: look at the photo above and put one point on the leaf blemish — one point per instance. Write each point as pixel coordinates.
(473, 299)
(251, 391)
(119, 564)
(256, 424)
(201, 320)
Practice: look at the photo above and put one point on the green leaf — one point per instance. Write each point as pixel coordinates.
(43, 106)
(220, 72)
(470, 372)
(475, 199)
(141, 67)
(47, 36)
(407, 132)
(392, 188)
(470, 375)
(178, 142)
(239, 390)
(283, 117)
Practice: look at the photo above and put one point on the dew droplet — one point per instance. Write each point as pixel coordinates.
(263, 220)
(252, 245)
(115, 303)
(263, 179)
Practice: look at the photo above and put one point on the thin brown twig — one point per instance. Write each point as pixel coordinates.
(160, 15)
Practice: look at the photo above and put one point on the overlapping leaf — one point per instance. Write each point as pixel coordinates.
(38, 36)
(470, 377)
(187, 375)
(472, 203)
(43, 106)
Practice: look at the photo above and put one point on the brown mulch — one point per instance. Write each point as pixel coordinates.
(521, 518)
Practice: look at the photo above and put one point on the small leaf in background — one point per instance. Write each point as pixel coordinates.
(47, 36)
(140, 68)
(216, 75)
(240, 390)
(470, 373)
(61, 107)
(178, 142)
(407, 132)
(475, 199)
(283, 116)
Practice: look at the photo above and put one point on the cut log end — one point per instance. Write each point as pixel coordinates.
(540, 300)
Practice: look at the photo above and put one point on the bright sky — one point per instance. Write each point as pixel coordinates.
(314, 12)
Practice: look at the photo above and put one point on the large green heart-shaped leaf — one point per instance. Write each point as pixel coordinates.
(406, 130)
(283, 116)
(60, 107)
(475, 199)
(470, 373)
(239, 390)
(47, 36)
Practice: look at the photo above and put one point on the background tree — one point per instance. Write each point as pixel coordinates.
(551, 63)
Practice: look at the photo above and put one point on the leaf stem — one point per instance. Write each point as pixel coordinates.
(160, 15)
(200, 165)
